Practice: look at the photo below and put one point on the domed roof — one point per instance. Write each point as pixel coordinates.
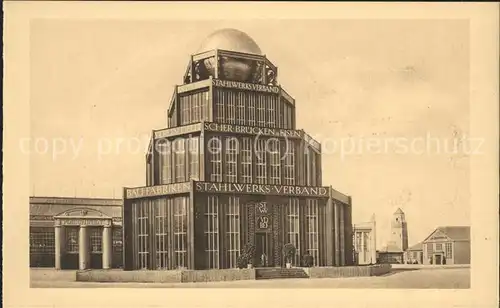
(231, 40)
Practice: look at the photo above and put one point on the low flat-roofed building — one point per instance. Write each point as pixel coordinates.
(447, 245)
(414, 254)
(72, 233)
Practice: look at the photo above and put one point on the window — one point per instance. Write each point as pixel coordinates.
(142, 214)
(233, 231)
(246, 160)
(231, 160)
(72, 239)
(313, 158)
(180, 167)
(215, 158)
(241, 109)
(251, 110)
(448, 251)
(195, 114)
(95, 240)
(312, 229)
(271, 118)
(289, 155)
(180, 232)
(161, 233)
(204, 107)
(231, 108)
(261, 164)
(212, 232)
(261, 112)
(307, 155)
(275, 161)
(165, 154)
(439, 247)
(185, 110)
(294, 227)
(194, 158)
(430, 249)
(117, 240)
(219, 116)
(42, 240)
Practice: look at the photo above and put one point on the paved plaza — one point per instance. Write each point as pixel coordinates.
(450, 278)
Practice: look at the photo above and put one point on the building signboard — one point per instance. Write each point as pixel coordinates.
(261, 189)
(160, 190)
(84, 222)
(263, 217)
(251, 130)
(75, 201)
(245, 86)
(174, 131)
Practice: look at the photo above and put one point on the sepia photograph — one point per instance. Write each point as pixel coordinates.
(251, 153)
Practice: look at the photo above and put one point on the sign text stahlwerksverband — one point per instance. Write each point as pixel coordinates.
(245, 86)
(261, 189)
(264, 131)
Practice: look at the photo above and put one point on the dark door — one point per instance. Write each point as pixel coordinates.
(263, 250)
(439, 259)
(95, 241)
(70, 258)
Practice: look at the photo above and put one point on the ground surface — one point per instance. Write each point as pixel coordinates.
(451, 278)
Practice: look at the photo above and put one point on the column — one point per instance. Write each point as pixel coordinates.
(337, 237)
(362, 250)
(107, 247)
(373, 250)
(342, 234)
(83, 248)
(58, 238)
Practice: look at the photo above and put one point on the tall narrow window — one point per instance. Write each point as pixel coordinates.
(448, 251)
(143, 234)
(289, 162)
(180, 158)
(204, 107)
(180, 232)
(313, 159)
(161, 227)
(95, 240)
(220, 114)
(261, 162)
(233, 231)
(231, 108)
(232, 151)
(261, 112)
(215, 157)
(212, 232)
(294, 227)
(271, 112)
(196, 107)
(72, 240)
(307, 165)
(312, 229)
(246, 160)
(241, 109)
(194, 158)
(165, 155)
(251, 109)
(275, 162)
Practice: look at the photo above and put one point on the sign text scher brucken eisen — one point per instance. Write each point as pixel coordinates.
(261, 189)
(263, 131)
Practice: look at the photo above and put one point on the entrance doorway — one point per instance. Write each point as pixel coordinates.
(263, 250)
(439, 259)
(95, 248)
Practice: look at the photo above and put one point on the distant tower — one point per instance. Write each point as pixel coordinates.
(399, 230)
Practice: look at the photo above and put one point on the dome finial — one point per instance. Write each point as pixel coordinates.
(231, 40)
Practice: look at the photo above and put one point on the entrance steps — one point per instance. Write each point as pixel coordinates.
(279, 273)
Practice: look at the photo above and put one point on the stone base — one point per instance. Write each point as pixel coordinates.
(178, 276)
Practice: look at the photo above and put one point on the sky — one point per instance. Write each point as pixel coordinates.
(99, 87)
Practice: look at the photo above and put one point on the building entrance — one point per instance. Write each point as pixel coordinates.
(438, 259)
(263, 250)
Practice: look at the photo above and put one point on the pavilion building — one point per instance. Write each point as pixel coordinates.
(232, 170)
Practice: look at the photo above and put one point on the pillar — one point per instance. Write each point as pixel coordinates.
(337, 237)
(374, 241)
(58, 238)
(83, 248)
(107, 247)
(363, 250)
